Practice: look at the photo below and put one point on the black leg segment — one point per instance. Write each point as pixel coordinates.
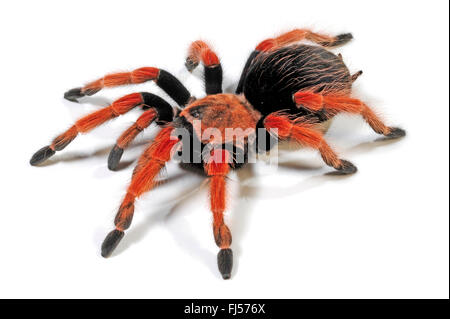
(213, 79)
(225, 262)
(41, 155)
(162, 107)
(173, 87)
(111, 241)
(164, 115)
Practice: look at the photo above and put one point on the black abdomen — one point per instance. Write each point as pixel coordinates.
(274, 77)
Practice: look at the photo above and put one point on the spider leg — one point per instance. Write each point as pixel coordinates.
(156, 109)
(217, 168)
(304, 133)
(166, 81)
(150, 163)
(86, 124)
(198, 52)
(303, 34)
(128, 136)
(356, 75)
(289, 38)
(333, 104)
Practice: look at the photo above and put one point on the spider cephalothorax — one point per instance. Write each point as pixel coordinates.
(220, 112)
(285, 91)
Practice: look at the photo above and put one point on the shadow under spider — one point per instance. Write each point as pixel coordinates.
(239, 216)
(103, 152)
(369, 146)
(98, 101)
(183, 234)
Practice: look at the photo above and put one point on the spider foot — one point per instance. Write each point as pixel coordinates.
(190, 64)
(111, 241)
(356, 75)
(342, 39)
(395, 132)
(76, 93)
(41, 155)
(347, 168)
(114, 157)
(225, 262)
(337, 40)
(73, 95)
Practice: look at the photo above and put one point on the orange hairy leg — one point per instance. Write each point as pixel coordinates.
(142, 122)
(217, 168)
(149, 165)
(159, 110)
(333, 104)
(111, 80)
(87, 123)
(170, 84)
(304, 133)
(128, 136)
(303, 34)
(198, 52)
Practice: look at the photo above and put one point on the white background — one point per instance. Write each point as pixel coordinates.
(297, 233)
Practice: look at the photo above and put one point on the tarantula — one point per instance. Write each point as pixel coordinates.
(286, 90)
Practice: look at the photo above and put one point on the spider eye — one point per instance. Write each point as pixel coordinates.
(195, 113)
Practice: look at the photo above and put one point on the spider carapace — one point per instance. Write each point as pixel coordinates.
(285, 91)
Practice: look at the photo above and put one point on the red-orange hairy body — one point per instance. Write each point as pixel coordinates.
(219, 112)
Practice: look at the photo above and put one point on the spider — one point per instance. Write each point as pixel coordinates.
(287, 87)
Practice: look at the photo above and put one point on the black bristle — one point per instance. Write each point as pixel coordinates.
(74, 94)
(173, 87)
(164, 109)
(347, 168)
(111, 241)
(225, 262)
(114, 157)
(396, 132)
(269, 88)
(190, 65)
(90, 92)
(213, 79)
(41, 155)
(342, 39)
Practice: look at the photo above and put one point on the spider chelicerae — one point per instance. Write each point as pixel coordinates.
(286, 91)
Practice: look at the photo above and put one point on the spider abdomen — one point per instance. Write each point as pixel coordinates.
(275, 76)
